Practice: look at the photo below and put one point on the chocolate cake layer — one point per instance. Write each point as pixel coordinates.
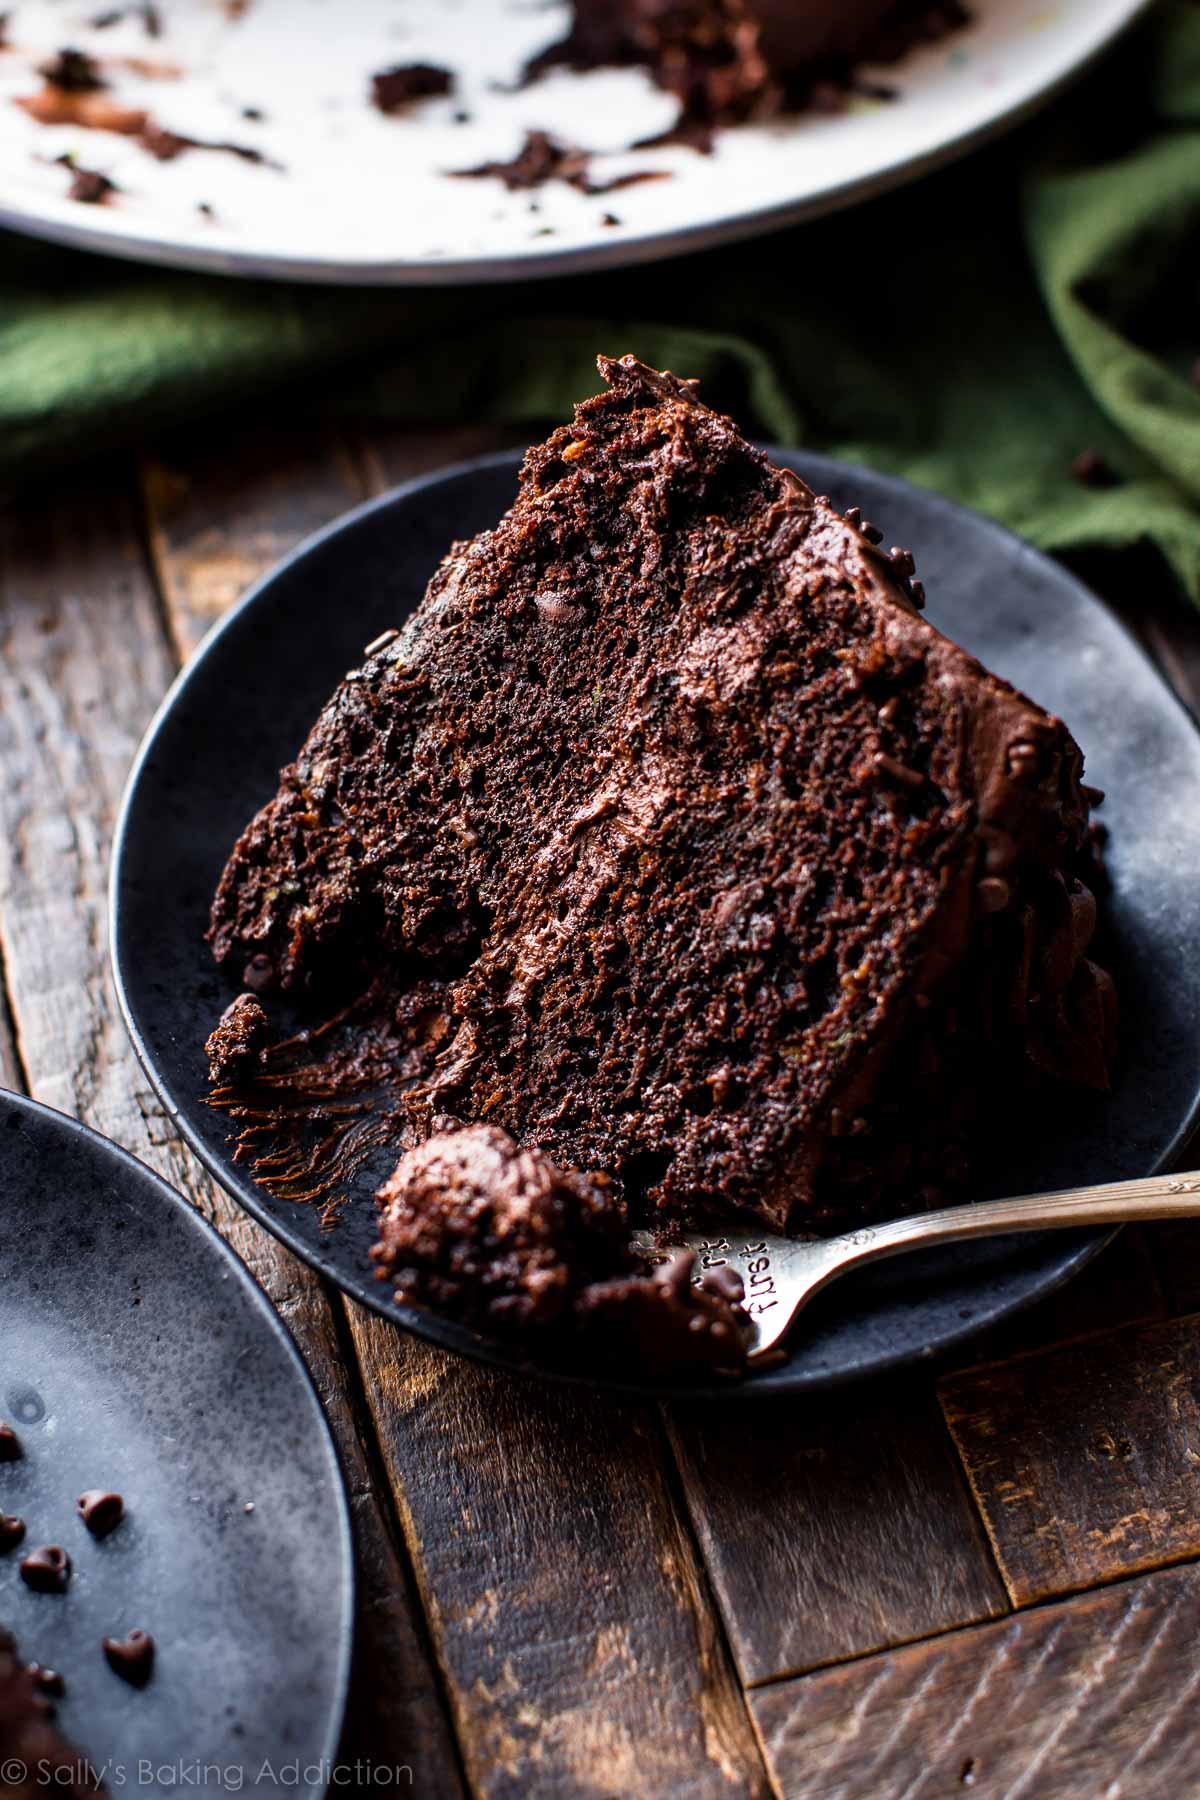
(717, 870)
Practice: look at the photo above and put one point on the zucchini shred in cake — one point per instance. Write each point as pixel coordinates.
(666, 867)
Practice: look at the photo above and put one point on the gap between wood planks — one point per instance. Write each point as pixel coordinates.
(187, 609)
(85, 662)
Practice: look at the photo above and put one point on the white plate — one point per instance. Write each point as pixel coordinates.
(364, 198)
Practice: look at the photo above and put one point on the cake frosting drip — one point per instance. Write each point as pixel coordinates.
(670, 839)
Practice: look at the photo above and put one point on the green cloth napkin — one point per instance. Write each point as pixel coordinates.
(975, 332)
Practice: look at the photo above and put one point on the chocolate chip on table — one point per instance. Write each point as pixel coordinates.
(48, 1681)
(100, 1511)
(47, 1570)
(131, 1657)
(10, 1443)
(12, 1530)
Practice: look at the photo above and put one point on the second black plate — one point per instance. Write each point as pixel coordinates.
(243, 706)
(137, 1354)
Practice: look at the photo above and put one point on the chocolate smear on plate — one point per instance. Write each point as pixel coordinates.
(544, 157)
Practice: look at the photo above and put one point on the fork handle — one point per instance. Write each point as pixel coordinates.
(1111, 1203)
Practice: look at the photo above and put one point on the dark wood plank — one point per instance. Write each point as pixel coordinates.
(389, 454)
(569, 1609)
(84, 663)
(1085, 1460)
(834, 1525)
(1087, 1698)
(221, 514)
(12, 1076)
(1171, 633)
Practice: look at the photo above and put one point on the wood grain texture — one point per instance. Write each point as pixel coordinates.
(12, 1076)
(833, 1525)
(1170, 631)
(579, 1645)
(221, 514)
(84, 662)
(1089, 1699)
(390, 454)
(1085, 1460)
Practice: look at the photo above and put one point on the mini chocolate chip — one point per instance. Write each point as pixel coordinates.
(259, 974)
(1091, 470)
(100, 1511)
(131, 1657)
(12, 1530)
(993, 893)
(903, 562)
(48, 1681)
(1023, 760)
(46, 1570)
(898, 771)
(917, 591)
(1093, 795)
(871, 532)
(854, 516)
(10, 1444)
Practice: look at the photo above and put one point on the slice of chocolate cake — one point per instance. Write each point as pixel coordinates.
(669, 839)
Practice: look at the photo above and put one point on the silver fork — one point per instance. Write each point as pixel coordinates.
(781, 1275)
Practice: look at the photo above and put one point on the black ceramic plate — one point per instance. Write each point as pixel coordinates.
(136, 1354)
(245, 702)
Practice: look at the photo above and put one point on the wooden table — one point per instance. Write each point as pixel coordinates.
(981, 1576)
